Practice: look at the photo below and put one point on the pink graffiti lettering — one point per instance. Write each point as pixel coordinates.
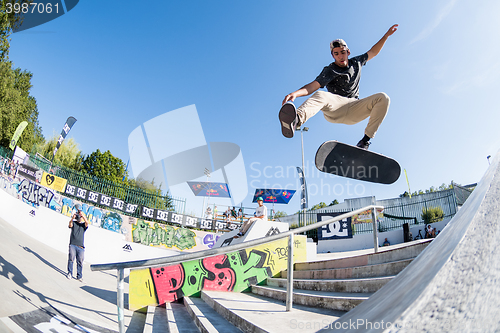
(224, 276)
(168, 280)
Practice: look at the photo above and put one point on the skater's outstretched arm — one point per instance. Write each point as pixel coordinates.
(377, 47)
(304, 91)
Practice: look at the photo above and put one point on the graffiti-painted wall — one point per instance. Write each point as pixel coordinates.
(160, 235)
(235, 272)
(133, 229)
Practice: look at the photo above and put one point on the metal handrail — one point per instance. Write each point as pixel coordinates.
(120, 266)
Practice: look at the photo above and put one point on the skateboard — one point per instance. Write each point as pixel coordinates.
(352, 162)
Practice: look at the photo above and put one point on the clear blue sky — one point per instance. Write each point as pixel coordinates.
(114, 65)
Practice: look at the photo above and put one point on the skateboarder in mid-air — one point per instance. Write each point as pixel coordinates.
(341, 103)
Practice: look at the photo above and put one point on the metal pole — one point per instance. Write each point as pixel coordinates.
(303, 170)
(289, 275)
(375, 229)
(120, 277)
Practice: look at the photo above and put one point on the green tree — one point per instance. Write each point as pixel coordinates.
(334, 202)
(16, 103)
(279, 214)
(104, 165)
(318, 206)
(68, 154)
(432, 189)
(432, 214)
(144, 184)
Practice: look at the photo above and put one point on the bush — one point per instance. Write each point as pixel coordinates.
(432, 214)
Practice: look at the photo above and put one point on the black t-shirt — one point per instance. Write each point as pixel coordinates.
(77, 232)
(343, 81)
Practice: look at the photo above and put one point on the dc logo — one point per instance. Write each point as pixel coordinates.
(334, 230)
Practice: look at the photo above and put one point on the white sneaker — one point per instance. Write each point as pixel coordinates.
(69, 276)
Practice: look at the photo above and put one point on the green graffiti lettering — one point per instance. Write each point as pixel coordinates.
(195, 273)
(249, 270)
(185, 239)
(156, 235)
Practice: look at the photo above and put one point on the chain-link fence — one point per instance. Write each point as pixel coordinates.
(129, 194)
(396, 212)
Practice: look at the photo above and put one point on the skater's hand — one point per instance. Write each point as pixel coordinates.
(289, 98)
(392, 30)
(304, 91)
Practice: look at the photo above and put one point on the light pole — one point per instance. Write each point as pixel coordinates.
(207, 173)
(488, 158)
(302, 130)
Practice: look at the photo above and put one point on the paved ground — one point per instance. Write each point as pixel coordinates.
(33, 280)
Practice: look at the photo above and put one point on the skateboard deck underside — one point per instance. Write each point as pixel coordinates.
(352, 162)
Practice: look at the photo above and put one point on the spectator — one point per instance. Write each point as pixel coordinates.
(428, 231)
(261, 214)
(228, 217)
(386, 243)
(76, 243)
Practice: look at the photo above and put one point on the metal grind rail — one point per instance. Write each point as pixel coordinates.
(148, 263)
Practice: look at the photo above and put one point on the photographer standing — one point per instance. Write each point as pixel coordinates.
(76, 247)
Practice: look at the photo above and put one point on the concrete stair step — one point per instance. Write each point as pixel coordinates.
(311, 298)
(362, 285)
(179, 320)
(254, 313)
(395, 253)
(366, 271)
(207, 319)
(156, 320)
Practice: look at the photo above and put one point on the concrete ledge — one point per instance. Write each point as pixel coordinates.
(370, 285)
(377, 270)
(320, 299)
(411, 250)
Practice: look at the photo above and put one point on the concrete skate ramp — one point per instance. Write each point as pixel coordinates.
(452, 286)
(34, 290)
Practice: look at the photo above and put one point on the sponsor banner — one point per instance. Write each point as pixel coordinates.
(303, 189)
(146, 212)
(210, 189)
(66, 128)
(17, 134)
(29, 172)
(366, 216)
(336, 230)
(53, 182)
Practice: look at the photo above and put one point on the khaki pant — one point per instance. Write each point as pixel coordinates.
(344, 110)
